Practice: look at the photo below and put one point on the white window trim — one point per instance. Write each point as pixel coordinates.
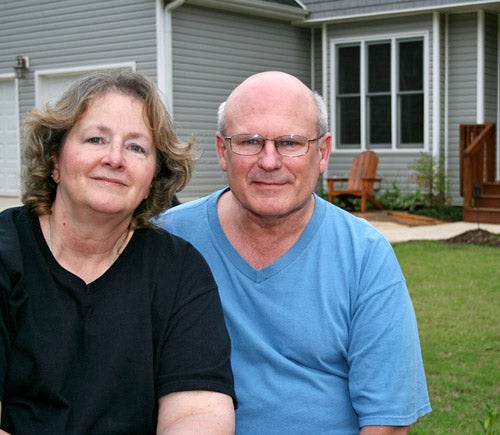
(41, 74)
(363, 41)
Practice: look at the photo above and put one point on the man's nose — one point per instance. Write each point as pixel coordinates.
(269, 157)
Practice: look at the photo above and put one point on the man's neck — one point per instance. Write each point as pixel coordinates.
(261, 240)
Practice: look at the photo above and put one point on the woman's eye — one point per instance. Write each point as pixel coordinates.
(96, 140)
(137, 149)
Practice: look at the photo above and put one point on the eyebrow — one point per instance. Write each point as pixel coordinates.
(103, 129)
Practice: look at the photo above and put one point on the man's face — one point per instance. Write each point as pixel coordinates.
(268, 184)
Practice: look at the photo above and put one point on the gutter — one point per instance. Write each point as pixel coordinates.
(444, 8)
(173, 5)
(164, 50)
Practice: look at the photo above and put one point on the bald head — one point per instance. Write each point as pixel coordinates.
(271, 94)
(274, 85)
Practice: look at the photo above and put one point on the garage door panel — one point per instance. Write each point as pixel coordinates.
(9, 140)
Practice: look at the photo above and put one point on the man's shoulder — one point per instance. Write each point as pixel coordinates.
(188, 215)
(186, 210)
(346, 223)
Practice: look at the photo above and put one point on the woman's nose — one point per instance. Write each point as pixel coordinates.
(114, 155)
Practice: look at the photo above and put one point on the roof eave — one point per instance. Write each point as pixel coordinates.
(457, 7)
(256, 7)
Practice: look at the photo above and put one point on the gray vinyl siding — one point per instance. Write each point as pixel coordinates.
(318, 62)
(462, 84)
(213, 51)
(490, 62)
(71, 34)
(393, 165)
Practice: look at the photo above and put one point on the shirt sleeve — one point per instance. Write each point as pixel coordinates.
(194, 353)
(4, 335)
(386, 378)
(10, 273)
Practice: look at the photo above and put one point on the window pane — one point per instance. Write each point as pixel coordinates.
(349, 122)
(348, 70)
(412, 119)
(379, 121)
(411, 66)
(379, 67)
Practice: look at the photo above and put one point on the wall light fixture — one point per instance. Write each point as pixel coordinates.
(21, 66)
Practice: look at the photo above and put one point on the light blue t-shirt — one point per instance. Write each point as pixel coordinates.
(324, 340)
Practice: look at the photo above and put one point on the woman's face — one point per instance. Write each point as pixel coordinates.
(108, 160)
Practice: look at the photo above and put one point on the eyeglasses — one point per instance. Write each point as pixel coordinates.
(291, 145)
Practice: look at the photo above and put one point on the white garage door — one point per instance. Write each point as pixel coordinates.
(9, 140)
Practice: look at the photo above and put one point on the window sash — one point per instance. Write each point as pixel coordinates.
(382, 92)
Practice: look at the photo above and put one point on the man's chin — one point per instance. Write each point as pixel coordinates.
(270, 209)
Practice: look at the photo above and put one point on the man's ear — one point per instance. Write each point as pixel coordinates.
(325, 149)
(220, 145)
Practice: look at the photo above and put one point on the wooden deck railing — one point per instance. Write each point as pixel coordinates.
(477, 159)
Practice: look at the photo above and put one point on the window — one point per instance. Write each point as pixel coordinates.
(349, 97)
(379, 94)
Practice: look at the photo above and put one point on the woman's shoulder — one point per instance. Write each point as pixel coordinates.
(11, 219)
(14, 224)
(12, 214)
(161, 240)
(166, 250)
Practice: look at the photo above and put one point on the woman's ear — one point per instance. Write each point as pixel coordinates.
(55, 171)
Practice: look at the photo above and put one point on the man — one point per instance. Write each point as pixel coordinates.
(323, 330)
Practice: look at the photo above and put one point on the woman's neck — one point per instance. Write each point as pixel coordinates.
(85, 249)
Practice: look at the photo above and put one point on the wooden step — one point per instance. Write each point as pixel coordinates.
(488, 201)
(491, 188)
(485, 215)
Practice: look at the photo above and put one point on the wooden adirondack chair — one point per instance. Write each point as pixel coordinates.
(360, 183)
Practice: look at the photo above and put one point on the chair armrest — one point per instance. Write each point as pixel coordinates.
(335, 179)
(332, 180)
(372, 179)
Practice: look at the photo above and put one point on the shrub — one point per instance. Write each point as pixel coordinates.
(430, 198)
(431, 178)
(395, 199)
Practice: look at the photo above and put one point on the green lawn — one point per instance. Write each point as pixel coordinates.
(456, 293)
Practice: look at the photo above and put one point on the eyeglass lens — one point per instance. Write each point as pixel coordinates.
(251, 144)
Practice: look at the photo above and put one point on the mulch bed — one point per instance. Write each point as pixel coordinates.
(477, 237)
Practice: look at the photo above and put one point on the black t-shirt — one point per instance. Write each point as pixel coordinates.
(95, 359)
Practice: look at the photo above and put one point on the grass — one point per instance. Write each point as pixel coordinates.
(455, 291)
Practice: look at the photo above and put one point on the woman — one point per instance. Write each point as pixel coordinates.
(107, 324)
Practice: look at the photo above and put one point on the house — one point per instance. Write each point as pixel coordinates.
(399, 77)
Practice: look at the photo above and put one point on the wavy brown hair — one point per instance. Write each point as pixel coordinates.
(45, 132)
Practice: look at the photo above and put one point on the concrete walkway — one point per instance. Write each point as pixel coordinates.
(395, 232)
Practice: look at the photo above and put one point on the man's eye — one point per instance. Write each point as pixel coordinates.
(251, 142)
(287, 143)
